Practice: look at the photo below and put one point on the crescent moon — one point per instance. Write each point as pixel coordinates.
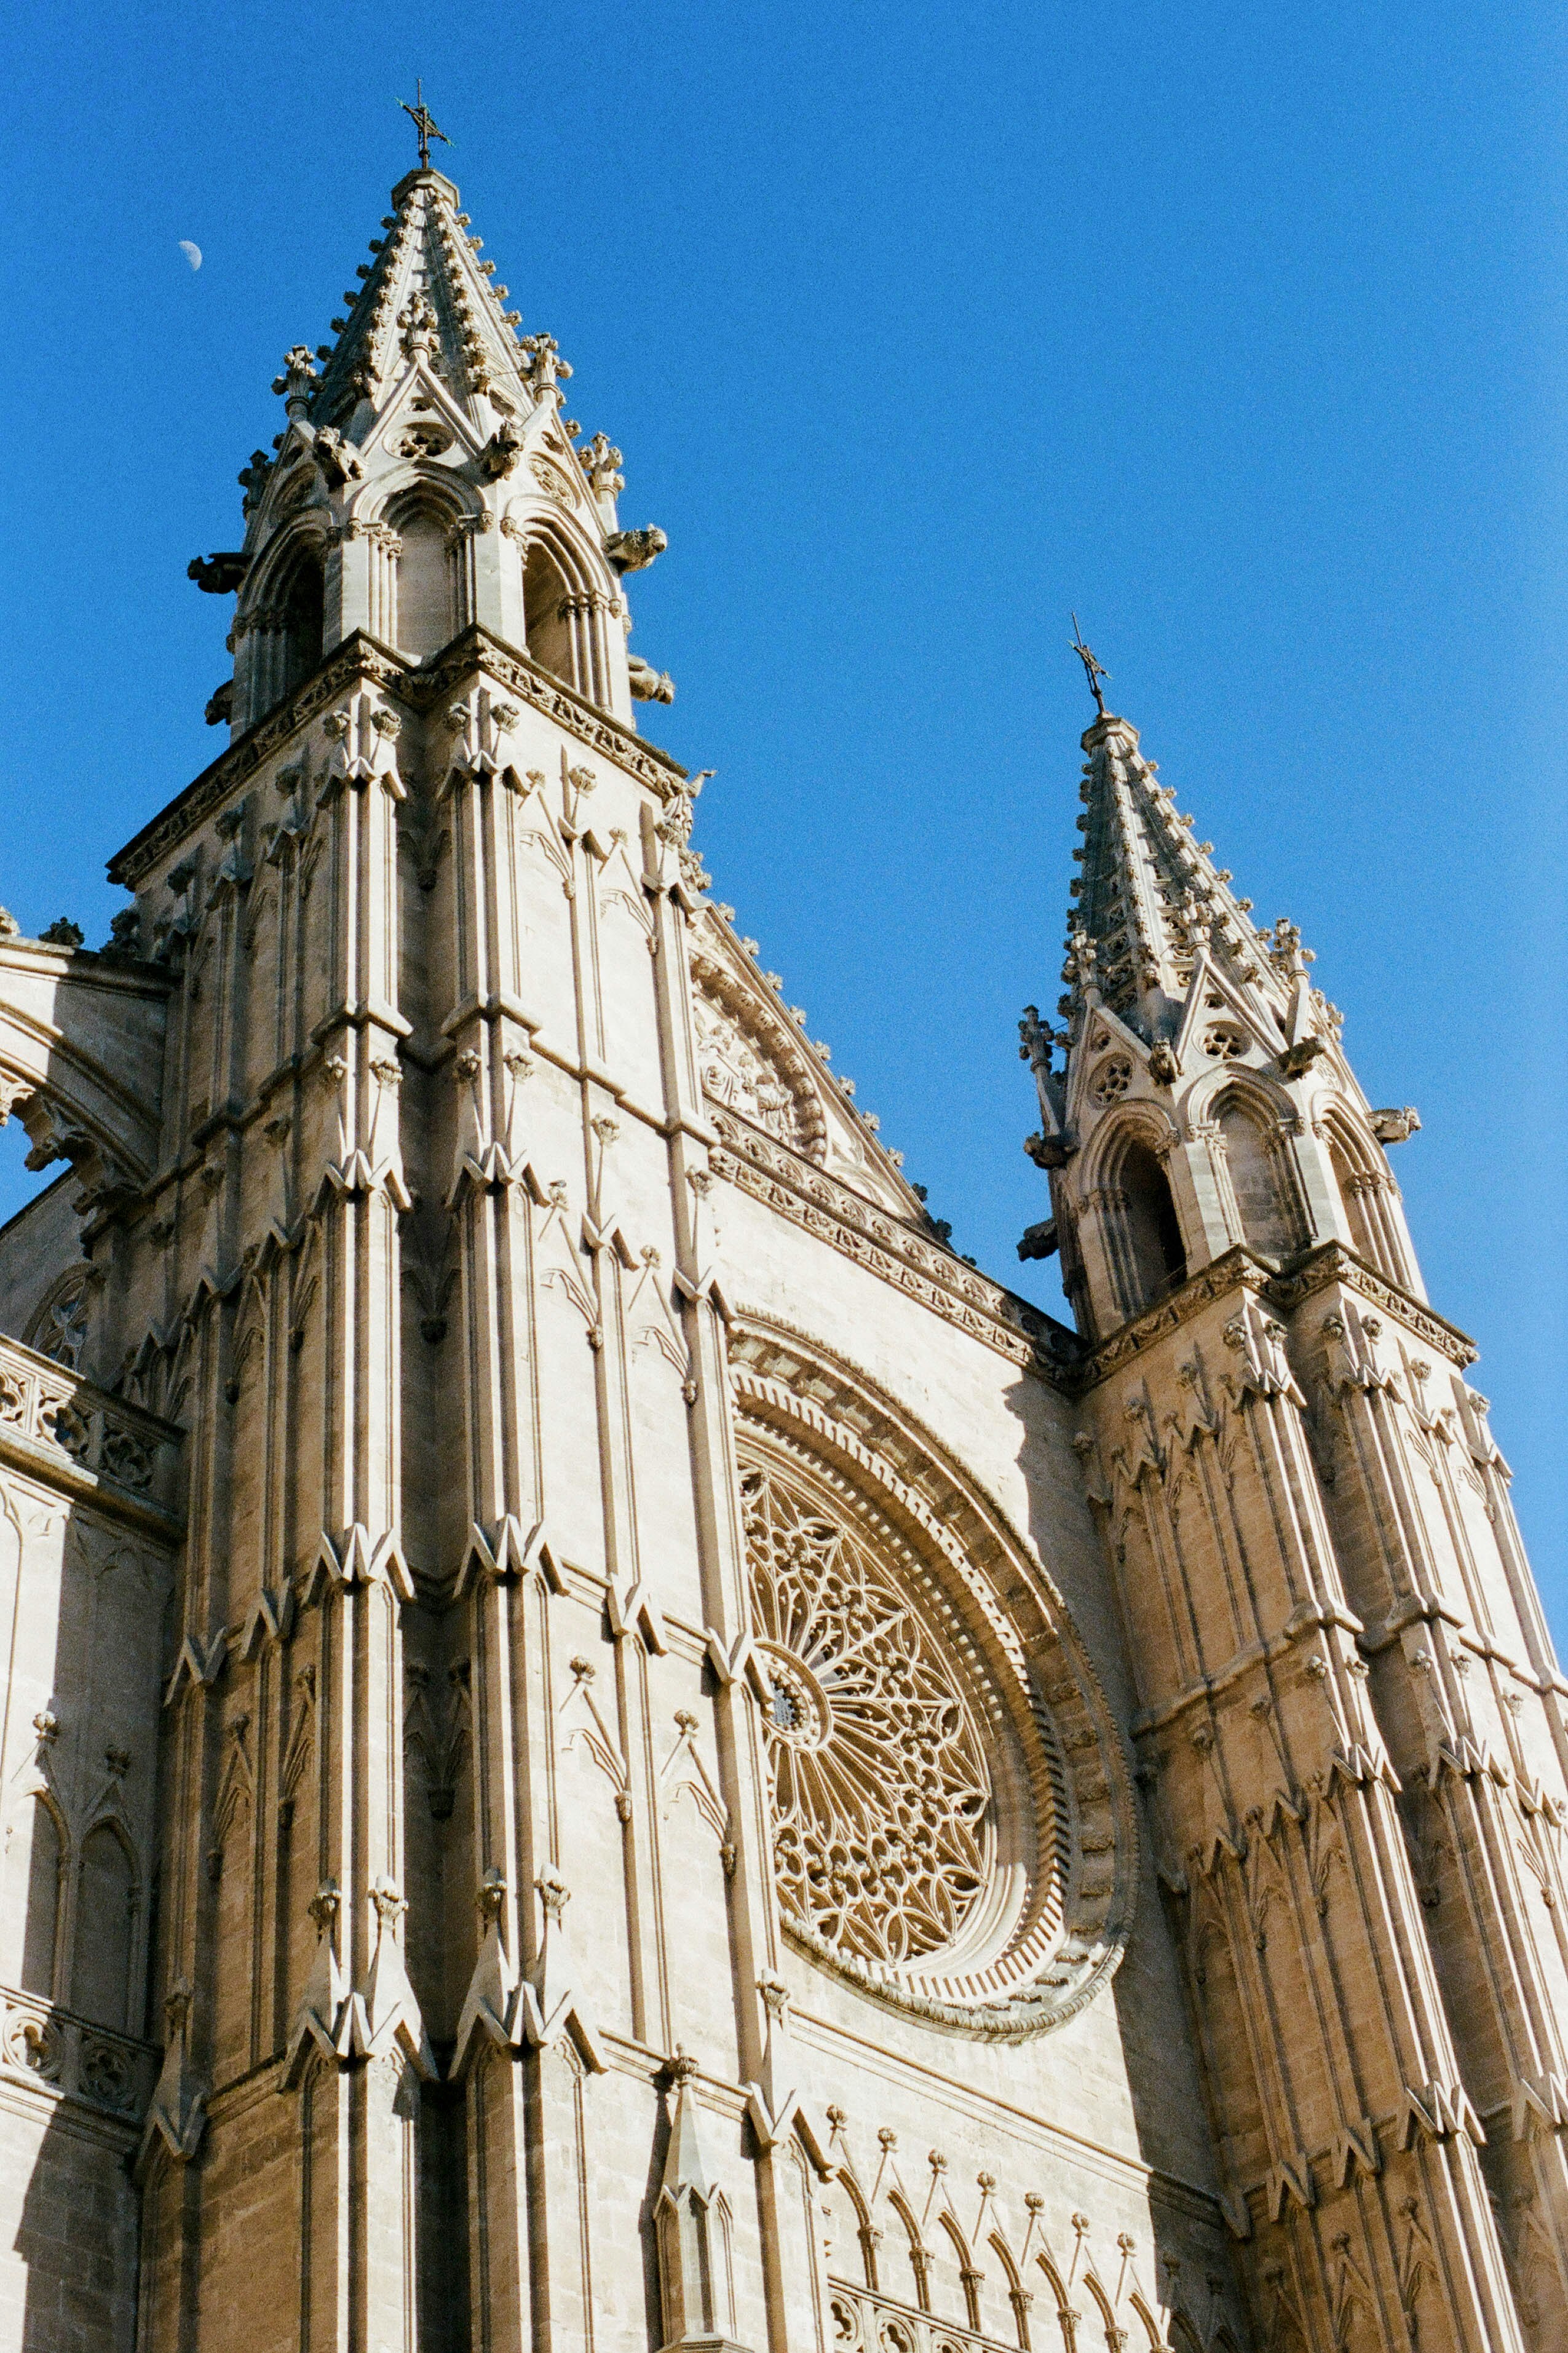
(192, 252)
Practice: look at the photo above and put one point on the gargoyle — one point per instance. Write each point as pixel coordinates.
(1397, 1126)
(500, 454)
(219, 575)
(219, 710)
(633, 551)
(337, 461)
(1296, 1060)
(648, 684)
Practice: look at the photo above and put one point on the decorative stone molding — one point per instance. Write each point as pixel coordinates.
(1238, 1271)
(71, 2058)
(894, 1253)
(361, 661)
(45, 1412)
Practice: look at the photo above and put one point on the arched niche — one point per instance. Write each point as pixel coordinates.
(1261, 1181)
(425, 604)
(567, 601)
(1367, 1194)
(35, 1857)
(105, 1927)
(280, 626)
(546, 618)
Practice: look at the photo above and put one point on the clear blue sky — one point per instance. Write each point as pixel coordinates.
(1242, 330)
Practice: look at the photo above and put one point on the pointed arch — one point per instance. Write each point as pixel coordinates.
(1156, 2335)
(1146, 1254)
(279, 625)
(1265, 1207)
(915, 2249)
(58, 1325)
(108, 1902)
(425, 517)
(852, 2240)
(568, 598)
(965, 2305)
(1105, 2311)
(1367, 1193)
(1067, 2317)
(1016, 2293)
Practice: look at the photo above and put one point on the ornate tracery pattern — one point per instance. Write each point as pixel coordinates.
(883, 1816)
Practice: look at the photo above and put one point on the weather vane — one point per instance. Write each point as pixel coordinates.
(1093, 670)
(425, 123)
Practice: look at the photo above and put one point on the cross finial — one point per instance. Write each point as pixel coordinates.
(1093, 670)
(425, 124)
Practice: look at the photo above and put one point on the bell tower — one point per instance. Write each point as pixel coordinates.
(1350, 1724)
(1205, 1100)
(427, 482)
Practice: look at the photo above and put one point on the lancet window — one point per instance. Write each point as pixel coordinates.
(1263, 1190)
(425, 614)
(280, 635)
(1368, 1193)
(1142, 1232)
(565, 612)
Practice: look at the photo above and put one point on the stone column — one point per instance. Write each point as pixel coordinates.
(780, 2131)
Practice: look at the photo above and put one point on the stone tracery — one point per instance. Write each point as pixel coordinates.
(883, 1803)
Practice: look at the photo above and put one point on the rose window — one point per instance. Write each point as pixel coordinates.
(951, 1828)
(883, 1807)
(1224, 1043)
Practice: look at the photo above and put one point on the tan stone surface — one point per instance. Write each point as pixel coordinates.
(715, 1779)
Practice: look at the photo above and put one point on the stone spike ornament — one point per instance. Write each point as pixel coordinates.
(483, 1414)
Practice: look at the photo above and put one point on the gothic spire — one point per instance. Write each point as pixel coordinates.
(1150, 901)
(1203, 1070)
(426, 291)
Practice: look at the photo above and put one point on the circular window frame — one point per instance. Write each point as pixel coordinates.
(1053, 1747)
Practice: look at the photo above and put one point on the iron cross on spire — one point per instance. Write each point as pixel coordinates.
(425, 124)
(1093, 670)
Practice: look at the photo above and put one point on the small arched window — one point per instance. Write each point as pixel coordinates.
(425, 605)
(304, 619)
(1352, 1183)
(1147, 1254)
(1260, 1182)
(545, 617)
(1369, 1195)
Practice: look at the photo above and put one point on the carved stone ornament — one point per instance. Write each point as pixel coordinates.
(553, 481)
(737, 1073)
(924, 1841)
(1111, 1079)
(882, 1805)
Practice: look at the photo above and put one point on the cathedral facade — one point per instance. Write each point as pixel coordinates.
(607, 1747)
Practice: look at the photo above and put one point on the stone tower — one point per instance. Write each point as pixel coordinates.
(606, 1745)
(1348, 1716)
